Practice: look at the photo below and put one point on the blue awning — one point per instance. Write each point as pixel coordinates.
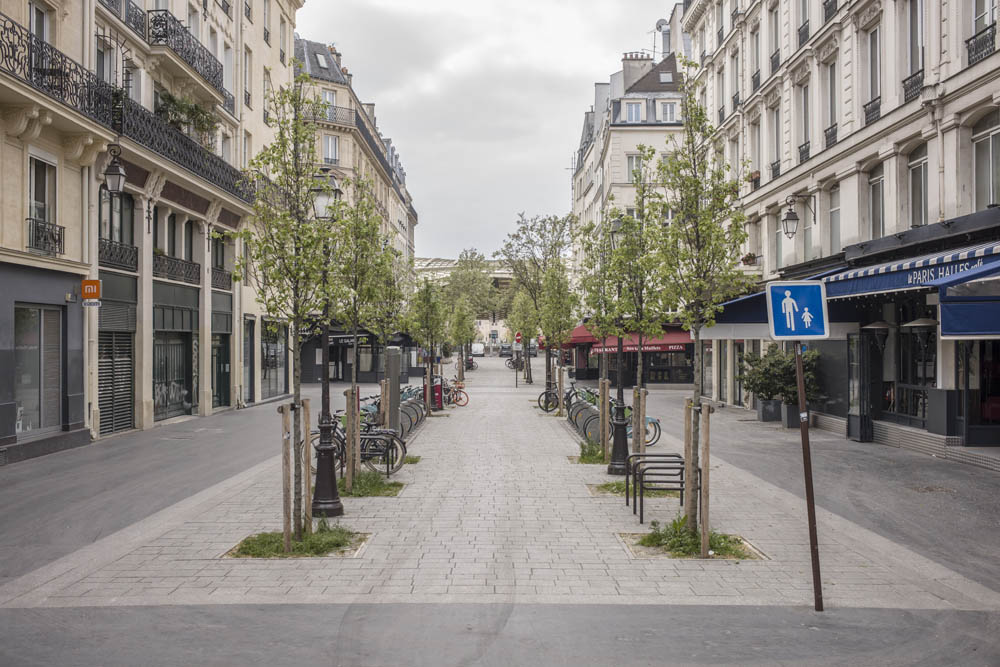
(916, 273)
(970, 302)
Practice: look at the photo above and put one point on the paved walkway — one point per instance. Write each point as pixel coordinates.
(494, 512)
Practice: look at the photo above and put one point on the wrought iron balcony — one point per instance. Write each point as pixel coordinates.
(755, 81)
(830, 135)
(803, 33)
(267, 36)
(912, 85)
(982, 44)
(873, 110)
(117, 255)
(229, 103)
(338, 116)
(829, 9)
(148, 129)
(775, 60)
(222, 279)
(166, 30)
(803, 152)
(332, 161)
(130, 13)
(722, 114)
(775, 169)
(174, 268)
(50, 71)
(45, 237)
(736, 101)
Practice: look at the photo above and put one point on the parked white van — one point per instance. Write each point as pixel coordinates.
(478, 350)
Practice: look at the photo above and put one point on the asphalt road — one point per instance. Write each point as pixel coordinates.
(946, 511)
(445, 635)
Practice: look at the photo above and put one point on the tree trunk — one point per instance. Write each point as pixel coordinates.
(548, 365)
(461, 362)
(354, 444)
(527, 362)
(296, 430)
(691, 495)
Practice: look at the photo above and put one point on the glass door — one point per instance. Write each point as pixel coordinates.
(37, 370)
(220, 370)
(248, 354)
(859, 421)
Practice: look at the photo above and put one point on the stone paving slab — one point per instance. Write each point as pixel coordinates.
(494, 512)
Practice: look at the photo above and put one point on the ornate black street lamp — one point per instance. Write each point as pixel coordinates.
(619, 446)
(114, 173)
(790, 221)
(326, 496)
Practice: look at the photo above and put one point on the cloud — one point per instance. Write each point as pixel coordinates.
(484, 99)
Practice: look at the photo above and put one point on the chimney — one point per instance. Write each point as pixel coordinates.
(347, 75)
(334, 53)
(634, 66)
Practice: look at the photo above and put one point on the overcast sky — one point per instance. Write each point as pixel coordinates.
(484, 99)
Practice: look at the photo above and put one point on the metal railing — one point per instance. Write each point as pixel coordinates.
(229, 102)
(736, 101)
(803, 33)
(775, 169)
(775, 61)
(227, 8)
(222, 279)
(830, 135)
(130, 13)
(912, 85)
(803, 152)
(332, 161)
(755, 81)
(873, 110)
(829, 9)
(338, 116)
(46, 237)
(148, 129)
(166, 30)
(267, 36)
(982, 44)
(117, 255)
(174, 268)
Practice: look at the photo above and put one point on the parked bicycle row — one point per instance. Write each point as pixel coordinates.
(583, 412)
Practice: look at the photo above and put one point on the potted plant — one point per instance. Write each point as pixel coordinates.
(789, 392)
(760, 378)
(749, 259)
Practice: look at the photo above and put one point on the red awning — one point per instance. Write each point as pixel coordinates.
(580, 336)
(673, 340)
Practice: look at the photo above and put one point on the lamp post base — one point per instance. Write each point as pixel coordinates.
(619, 447)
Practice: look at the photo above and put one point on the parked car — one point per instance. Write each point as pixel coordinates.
(506, 350)
(533, 350)
(478, 350)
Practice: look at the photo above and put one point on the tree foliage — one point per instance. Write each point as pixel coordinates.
(557, 317)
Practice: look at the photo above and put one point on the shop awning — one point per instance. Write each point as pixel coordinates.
(671, 341)
(581, 336)
(970, 302)
(915, 273)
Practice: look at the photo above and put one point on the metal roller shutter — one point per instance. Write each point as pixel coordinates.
(115, 385)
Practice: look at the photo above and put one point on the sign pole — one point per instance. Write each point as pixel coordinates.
(807, 467)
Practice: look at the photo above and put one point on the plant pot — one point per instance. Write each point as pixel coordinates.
(790, 415)
(768, 410)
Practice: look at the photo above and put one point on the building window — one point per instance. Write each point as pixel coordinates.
(831, 94)
(247, 76)
(986, 142)
(755, 50)
(247, 148)
(38, 374)
(809, 249)
(189, 241)
(876, 202)
(227, 148)
(916, 27)
(804, 113)
(632, 164)
(330, 98)
(778, 240)
(918, 186)
(331, 148)
(633, 112)
(874, 65)
(321, 61)
(42, 195)
(835, 219)
(104, 64)
(172, 235)
(282, 31)
(776, 134)
(227, 67)
(133, 77)
(668, 110)
(774, 30)
(218, 254)
(116, 216)
(755, 147)
(39, 18)
(193, 24)
(985, 14)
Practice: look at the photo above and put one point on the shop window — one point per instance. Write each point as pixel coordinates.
(38, 376)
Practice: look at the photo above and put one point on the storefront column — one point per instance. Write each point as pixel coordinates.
(143, 383)
(204, 319)
(731, 371)
(91, 316)
(959, 160)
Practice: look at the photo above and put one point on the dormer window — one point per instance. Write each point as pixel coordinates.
(666, 77)
(321, 61)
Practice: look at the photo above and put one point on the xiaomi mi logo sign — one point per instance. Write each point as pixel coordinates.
(91, 289)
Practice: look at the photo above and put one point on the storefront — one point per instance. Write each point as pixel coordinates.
(115, 353)
(222, 330)
(666, 359)
(175, 350)
(273, 359)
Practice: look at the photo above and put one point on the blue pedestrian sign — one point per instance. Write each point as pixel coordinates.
(796, 310)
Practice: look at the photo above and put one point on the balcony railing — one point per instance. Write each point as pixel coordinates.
(803, 152)
(830, 135)
(829, 9)
(755, 81)
(736, 101)
(873, 110)
(117, 255)
(775, 169)
(803, 33)
(229, 102)
(166, 30)
(45, 68)
(267, 36)
(227, 8)
(222, 279)
(338, 116)
(775, 61)
(912, 85)
(130, 13)
(722, 114)
(175, 268)
(332, 161)
(982, 44)
(45, 237)
(148, 129)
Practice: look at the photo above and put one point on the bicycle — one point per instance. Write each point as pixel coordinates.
(380, 448)
(548, 400)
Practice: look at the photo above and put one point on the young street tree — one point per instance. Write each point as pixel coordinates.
(386, 315)
(598, 286)
(284, 251)
(527, 252)
(470, 282)
(461, 329)
(427, 325)
(700, 253)
(523, 317)
(558, 310)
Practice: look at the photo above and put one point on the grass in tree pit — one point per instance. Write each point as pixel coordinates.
(368, 483)
(618, 489)
(591, 452)
(411, 459)
(323, 542)
(679, 542)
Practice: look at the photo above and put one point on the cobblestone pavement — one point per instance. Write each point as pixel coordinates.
(493, 512)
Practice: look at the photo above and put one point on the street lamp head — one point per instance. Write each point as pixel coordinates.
(790, 222)
(614, 230)
(114, 173)
(325, 191)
